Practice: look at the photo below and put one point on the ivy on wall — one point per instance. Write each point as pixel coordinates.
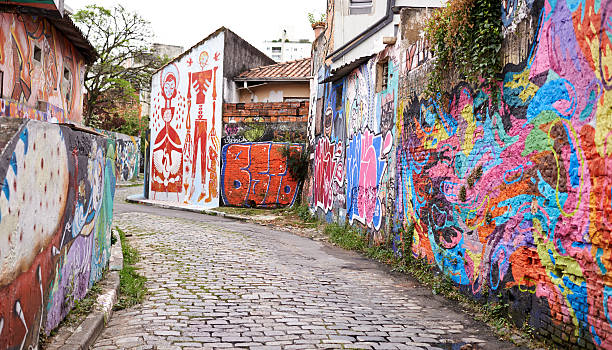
(465, 37)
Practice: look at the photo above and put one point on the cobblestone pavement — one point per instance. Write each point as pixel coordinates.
(215, 283)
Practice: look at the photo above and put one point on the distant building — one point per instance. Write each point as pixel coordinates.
(283, 49)
(170, 51)
(281, 82)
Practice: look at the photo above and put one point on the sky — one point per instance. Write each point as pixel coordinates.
(186, 22)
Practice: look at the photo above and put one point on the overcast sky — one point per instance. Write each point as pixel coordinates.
(186, 22)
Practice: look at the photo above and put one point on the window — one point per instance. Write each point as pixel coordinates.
(338, 92)
(37, 54)
(382, 75)
(67, 83)
(359, 7)
(276, 49)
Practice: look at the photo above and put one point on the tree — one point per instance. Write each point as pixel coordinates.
(125, 66)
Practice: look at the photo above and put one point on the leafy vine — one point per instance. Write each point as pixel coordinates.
(466, 38)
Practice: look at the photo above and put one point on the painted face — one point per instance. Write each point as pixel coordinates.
(203, 59)
(169, 87)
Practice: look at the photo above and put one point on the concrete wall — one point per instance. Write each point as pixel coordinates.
(254, 173)
(509, 194)
(275, 92)
(186, 105)
(56, 206)
(55, 78)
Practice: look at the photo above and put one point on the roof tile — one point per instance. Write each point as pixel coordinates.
(298, 69)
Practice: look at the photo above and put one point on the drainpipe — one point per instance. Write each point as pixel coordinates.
(246, 86)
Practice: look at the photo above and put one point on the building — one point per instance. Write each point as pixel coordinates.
(281, 82)
(283, 49)
(187, 98)
(42, 66)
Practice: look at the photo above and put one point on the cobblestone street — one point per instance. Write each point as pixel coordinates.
(216, 283)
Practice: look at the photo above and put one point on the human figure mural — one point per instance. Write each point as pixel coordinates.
(186, 145)
(167, 172)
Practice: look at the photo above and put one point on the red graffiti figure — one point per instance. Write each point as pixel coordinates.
(167, 162)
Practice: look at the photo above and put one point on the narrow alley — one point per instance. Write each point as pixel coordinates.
(217, 283)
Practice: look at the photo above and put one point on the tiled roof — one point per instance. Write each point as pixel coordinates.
(292, 70)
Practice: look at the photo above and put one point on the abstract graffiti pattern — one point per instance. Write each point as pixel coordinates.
(39, 64)
(186, 127)
(56, 205)
(256, 175)
(508, 187)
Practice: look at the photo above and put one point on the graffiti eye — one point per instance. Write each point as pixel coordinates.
(287, 189)
(237, 184)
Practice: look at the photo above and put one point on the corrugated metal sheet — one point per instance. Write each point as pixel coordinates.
(292, 70)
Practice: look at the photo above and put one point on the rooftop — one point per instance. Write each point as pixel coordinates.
(291, 70)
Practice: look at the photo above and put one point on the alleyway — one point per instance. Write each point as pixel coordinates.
(216, 283)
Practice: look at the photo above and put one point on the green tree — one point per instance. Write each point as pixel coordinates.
(126, 63)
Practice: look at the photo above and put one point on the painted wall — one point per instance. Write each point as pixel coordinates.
(127, 155)
(186, 105)
(39, 64)
(254, 172)
(274, 92)
(256, 175)
(509, 193)
(56, 206)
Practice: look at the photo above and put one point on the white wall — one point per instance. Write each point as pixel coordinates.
(182, 169)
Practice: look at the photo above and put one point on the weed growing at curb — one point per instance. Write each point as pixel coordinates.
(132, 288)
(493, 313)
(78, 313)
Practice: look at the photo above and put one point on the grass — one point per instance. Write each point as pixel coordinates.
(243, 211)
(132, 288)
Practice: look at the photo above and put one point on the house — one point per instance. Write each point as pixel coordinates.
(42, 62)
(284, 49)
(187, 97)
(281, 82)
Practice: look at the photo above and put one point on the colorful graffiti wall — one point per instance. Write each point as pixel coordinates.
(56, 207)
(508, 187)
(42, 72)
(256, 175)
(186, 105)
(127, 155)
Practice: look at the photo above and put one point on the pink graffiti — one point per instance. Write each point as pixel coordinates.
(328, 172)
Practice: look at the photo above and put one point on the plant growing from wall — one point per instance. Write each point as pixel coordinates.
(466, 38)
(297, 165)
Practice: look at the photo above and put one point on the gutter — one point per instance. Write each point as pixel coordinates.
(366, 34)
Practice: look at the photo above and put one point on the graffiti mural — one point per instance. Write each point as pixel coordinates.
(56, 206)
(127, 162)
(39, 64)
(256, 175)
(186, 127)
(509, 186)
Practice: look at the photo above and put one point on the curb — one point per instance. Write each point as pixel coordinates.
(87, 332)
(139, 199)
